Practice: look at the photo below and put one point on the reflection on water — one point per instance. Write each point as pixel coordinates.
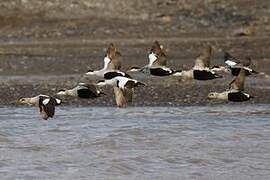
(224, 142)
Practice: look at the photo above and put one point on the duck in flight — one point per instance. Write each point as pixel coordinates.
(82, 90)
(112, 65)
(45, 103)
(123, 88)
(235, 65)
(201, 70)
(111, 69)
(157, 63)
(235, 92)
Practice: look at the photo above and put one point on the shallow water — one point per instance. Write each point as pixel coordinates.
(221, 142)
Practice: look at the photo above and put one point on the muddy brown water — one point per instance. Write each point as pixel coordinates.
(185, 142)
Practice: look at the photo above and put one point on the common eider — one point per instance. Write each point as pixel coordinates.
(235, 92)
(82, 90)
(112, 65)
(123, 88)
(236, 64)
(121, 82)
(157, 63)
(45, 103)
(201, 70)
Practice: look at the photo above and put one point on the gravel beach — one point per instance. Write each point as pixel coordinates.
(49, 46)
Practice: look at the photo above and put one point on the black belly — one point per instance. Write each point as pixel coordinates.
(237, 97)
(160, 72)
(203, 75)
(86, 93)
(236, 71)
(110, 75)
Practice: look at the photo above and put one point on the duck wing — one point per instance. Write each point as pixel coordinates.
(203, 60)
(161, 58)
(120, 98)
(115, 56)
(47, 107)
(238, 83)
(233, 61)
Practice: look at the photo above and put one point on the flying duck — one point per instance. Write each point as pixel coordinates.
(123, 88)
(201, 70)
(82, 90)
(121, 82)
(235, 64)
(112, 65)
(45, 103)
(157, 63)
(235, 92)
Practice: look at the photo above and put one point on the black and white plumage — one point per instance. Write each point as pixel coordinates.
(123, 88)
(82, 90)
(201, 70)
(111, 69)
(112, 65)
(235, 92)
(45, 103)
(121, 82)
(157, 61)
(156, 71)
(235, 65)
(107, 74)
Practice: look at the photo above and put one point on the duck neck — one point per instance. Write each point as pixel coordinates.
(32, 101)
(222, 96)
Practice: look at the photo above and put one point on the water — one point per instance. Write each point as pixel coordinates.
(223, 142)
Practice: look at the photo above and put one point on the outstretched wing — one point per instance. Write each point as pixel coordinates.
(161, 58)
(233, 61)
(120, 98)
(238, 83)
(115, 57)
(203, 60)
(47, 107)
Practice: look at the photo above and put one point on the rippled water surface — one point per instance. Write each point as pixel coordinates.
(223, 142)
